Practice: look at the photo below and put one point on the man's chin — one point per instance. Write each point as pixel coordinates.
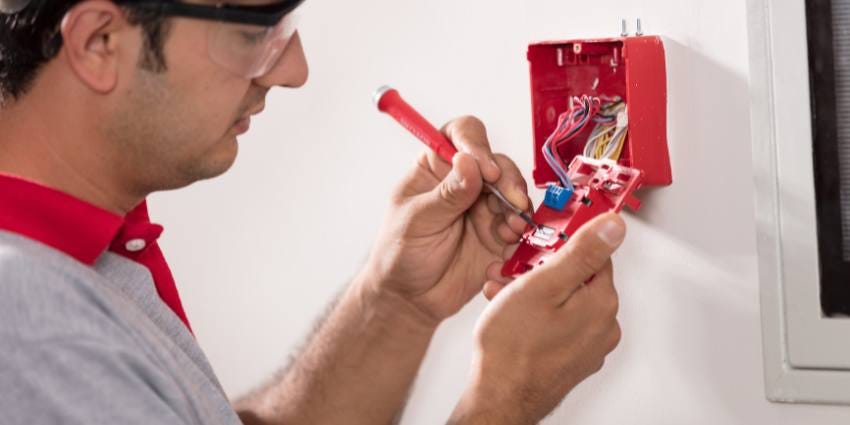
(213, 164)
(221, 161)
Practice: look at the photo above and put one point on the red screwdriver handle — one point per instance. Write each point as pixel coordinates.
(390, 102)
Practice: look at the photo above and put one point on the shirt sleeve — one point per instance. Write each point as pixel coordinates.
(83, 381)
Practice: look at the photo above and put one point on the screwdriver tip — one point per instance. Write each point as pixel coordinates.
(527, 218)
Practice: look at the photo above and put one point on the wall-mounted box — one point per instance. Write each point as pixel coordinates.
(632, 68)
(627, 70)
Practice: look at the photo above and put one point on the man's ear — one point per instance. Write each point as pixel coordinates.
(91, 36)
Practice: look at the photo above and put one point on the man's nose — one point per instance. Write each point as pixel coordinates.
(291, 69)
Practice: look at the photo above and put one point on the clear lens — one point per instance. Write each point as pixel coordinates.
(13, 6)
(250, 50)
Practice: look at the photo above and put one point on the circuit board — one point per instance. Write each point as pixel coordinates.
(601, 185)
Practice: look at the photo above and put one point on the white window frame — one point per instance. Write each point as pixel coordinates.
(806, 355)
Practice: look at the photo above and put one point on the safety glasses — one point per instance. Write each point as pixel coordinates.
(246, 40)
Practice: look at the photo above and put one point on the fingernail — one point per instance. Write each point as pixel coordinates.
(458, 177)
(612, 232)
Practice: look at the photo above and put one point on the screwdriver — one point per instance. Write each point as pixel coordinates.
(389, 101)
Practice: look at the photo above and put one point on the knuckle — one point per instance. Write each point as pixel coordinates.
(508, 164)
(511, 170)
(611, 305)
(599, 365)
(501, 158)
(448, 193)
(616, 336)
(468, 121)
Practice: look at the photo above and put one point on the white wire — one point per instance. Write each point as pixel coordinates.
(603, 128)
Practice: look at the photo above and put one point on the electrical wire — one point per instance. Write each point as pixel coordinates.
(582, 110)
(606, 140)
(608, 137)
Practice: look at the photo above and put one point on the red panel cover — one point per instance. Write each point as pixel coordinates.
(601, 186)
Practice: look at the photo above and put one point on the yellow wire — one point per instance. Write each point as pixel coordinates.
(602, 144)
(620, 145)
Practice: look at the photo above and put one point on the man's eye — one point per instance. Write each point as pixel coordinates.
(252, 37)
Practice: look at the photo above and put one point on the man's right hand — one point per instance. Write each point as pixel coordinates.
(546, 331)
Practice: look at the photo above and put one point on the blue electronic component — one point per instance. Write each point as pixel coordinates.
(557, 197)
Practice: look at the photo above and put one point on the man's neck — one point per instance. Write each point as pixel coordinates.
(43, 142)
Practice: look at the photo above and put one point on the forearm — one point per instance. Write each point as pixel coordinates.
(357, 368)
(487, 402)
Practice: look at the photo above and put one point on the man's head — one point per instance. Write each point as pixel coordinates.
(162, 88)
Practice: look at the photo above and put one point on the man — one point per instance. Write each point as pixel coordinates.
(105, 102)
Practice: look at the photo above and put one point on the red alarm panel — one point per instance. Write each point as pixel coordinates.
(599, 114)
(633, 68)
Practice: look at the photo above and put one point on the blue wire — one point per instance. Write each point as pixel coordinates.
(556, 166)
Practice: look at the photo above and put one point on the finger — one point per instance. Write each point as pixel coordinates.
(418, 180)
(506, 234)
(437, 165)
(484, 222)
(585, 254)
(494, 273)
(452, 197)
(516, 223)
(512, 184)
(509, 251)
(513, 222)
(492, 289)
(469, 135)
(501, 232)
(494, 205)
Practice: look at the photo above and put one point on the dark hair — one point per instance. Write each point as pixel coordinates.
(30, 38)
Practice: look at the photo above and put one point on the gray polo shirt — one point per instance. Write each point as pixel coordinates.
(95, 345)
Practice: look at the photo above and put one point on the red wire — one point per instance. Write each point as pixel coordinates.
(591, 105)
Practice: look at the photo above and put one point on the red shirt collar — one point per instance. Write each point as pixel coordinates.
(84, 231)
(54, 218)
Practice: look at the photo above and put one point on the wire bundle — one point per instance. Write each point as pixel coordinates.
(608, 137)
(605, 141)
(570, 124)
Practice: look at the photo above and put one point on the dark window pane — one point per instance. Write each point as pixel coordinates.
(829, 66)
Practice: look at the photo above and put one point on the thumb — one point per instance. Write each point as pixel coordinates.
(586, 253)
(454, 195)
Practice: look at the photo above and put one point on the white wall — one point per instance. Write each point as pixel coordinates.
(259, 252)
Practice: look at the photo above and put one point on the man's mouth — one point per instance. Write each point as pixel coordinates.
(243, 124)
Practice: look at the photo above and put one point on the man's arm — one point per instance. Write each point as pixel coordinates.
(356, 369)
(430, 259)
(542, 335)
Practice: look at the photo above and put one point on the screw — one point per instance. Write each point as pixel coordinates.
(639, 30)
